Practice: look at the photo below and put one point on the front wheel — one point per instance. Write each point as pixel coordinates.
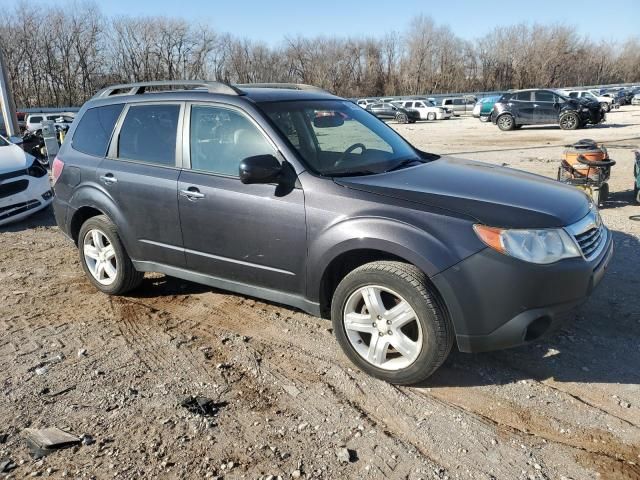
(388, 322)
(569, 121)
(485, 119)
(636, 194)
(605, 106)
(402, 118)
(104, 258)
(431, 116)
(506, 122)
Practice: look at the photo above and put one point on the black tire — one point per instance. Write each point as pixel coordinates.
(127, 277)
(402, 118)
(506, 122)
(636, 194)
(485, 119)
(605, 106)
(431, 116)
(604, 192)
(569, 121)
(409, 282)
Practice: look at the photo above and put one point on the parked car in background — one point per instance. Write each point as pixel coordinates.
(34, 121)
(484, 108)
(618, 96)
(426, 109)
(605, 102)
(459, 105)
(406, 251)
(24, 183)
(636, 99)
(538, 107)
(363, 102)
(390, 111)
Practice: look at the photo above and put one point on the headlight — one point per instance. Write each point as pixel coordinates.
(541, 246)
(36, 170)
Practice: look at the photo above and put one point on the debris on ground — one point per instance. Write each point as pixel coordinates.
(345, 455)
(6, 465)
(3, 437)
(45, 441)
(202, 406)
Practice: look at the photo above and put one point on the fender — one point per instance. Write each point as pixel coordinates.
(94, 196)
(414, 245)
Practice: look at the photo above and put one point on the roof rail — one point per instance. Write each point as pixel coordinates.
(140, 87)
(287, 86)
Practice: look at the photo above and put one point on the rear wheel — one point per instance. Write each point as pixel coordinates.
(569, 121)
(388, 322)
(506, 122)
(104, 258)
(431, 116)
(485, 118)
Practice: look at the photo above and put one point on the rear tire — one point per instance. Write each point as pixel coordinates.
(366, 298)
(485, 119)
(506, 122)
(569, 121)
(104, 259)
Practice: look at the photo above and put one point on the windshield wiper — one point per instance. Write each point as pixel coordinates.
(404, 163)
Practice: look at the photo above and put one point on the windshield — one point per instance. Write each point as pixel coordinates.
(338, 138)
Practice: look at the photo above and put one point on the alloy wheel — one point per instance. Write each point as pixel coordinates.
(506, 122)
(568, 122)
(382, 327)
(100, 257)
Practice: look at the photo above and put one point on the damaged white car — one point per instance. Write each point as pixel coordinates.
(24, 183)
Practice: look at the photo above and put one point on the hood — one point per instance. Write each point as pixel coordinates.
(13, 158)
(495, 196)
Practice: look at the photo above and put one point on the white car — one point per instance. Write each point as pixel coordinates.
(364, 102)
(427, 110)
(605, 102)
(636, 99)
(24, 183)
(34, 121)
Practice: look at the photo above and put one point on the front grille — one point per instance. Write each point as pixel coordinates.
(17, 208)
(590, 240)
(590, 234)
(11, 188)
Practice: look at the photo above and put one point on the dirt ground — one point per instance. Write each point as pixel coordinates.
(289, 402)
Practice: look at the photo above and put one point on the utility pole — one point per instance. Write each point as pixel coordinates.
(7, 105)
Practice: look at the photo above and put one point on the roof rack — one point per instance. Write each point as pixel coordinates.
(140, 87)
(287, 86)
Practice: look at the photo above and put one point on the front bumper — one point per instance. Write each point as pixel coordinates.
(34, 197)
(497, 302)
(593, 116)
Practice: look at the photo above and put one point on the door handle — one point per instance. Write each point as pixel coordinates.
(108, 179)
(192, 193)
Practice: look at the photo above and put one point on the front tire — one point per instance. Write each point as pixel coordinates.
(485, 119)
(605, 106)
(506, 122)
(388, 321)
(569, 121)
(431, 116)
(402, 118)
(104, 259)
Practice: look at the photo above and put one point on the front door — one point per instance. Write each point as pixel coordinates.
(250, 234)
(524, 108)
(141, 176)
(547, 107)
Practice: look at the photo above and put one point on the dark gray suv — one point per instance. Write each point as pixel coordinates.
(293, 195)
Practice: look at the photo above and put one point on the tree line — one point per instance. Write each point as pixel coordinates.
(61, 57)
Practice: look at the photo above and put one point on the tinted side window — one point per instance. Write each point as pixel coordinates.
(408, 104)
(148, 134)
(458, 101)
(93, 133)
(222, 138)
(447, 102)
(543, 96)
(35, 119)
(522, 96)
(573, 94)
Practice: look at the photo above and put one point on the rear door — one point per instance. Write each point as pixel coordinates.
(250, 234)
(141, 176)
(546, 107)
(522, 101)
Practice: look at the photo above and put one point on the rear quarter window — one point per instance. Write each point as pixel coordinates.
(94, 131)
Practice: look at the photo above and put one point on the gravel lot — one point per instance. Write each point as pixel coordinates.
(289, 403)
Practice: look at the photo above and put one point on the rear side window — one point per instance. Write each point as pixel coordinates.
(543, 96)
(93, 133)
(522, 96)
(148, 134)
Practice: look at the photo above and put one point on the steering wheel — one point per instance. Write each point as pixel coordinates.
(348, 151)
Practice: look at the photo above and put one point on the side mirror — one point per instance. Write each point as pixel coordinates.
(16, 140)
(260, 169)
